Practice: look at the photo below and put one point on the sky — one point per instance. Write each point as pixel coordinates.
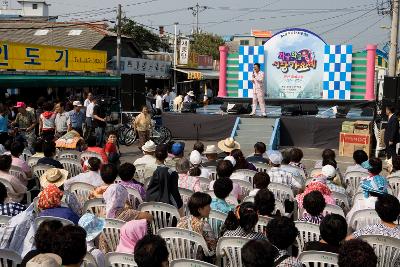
(354, 22)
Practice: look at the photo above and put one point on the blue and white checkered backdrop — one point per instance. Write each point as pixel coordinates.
(337, 72)
(248, 55)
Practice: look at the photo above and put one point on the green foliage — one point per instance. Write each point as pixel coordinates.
(145, 39)
(207, 44)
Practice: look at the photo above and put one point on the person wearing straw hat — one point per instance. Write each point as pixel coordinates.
(45, 260)
(94, 227)
(189, 97)
(49, 204)
(58, 177)
(227, 145)
(211, 154)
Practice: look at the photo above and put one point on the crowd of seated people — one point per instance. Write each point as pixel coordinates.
(166, 168)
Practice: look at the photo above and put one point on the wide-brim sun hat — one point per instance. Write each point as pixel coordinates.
(53, 176)
(93, 225)
(190, 93)
(211, 149)
(228, 144)
(45, 260)
(149, 146)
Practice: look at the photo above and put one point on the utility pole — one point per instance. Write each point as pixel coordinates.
(394, 35)
(119, 40)
(175, 55)
(195, 11)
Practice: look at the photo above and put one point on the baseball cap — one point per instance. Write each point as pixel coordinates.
(275, 157)
(177, 148)
(77, 103)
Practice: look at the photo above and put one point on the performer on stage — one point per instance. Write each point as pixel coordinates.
(258, 90)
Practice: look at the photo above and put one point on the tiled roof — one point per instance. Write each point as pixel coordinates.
(58, 33)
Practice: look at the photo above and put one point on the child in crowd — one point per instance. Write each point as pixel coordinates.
(126, 173)
(111, 148)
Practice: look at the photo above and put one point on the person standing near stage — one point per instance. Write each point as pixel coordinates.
(391, 137)
(258, 90)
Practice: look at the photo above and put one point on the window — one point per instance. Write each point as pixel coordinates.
(41, 32)
(34, 6)
(244, 42)
(75, 32)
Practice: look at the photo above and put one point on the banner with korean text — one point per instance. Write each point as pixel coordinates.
(21, 56)
(295, 66)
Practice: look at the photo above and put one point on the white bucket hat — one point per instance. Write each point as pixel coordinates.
(149, 146)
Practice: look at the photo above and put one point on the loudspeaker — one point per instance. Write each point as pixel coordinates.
(291, 110)
(391, 88)
(309, 109)
(139, 93)
(236, 108)
(127, 92)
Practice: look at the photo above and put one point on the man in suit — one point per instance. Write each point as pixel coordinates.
(391, 137)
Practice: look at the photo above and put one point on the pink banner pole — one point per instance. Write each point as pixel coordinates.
(223, 55)
(370, 80)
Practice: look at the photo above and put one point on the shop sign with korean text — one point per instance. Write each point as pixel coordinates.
(19, 56)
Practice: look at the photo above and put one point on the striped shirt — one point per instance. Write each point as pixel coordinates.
(312, 219)
(11, 208)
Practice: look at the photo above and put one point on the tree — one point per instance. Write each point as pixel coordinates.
(144, 38)
(207, 44)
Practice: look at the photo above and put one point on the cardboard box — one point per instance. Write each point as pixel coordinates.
(348, 127)
(348, 143)
(362, 127)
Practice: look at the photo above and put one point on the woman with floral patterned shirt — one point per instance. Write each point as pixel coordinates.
(199, 207)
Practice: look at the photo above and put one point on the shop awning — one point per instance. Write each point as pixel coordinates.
(206, 74)
(20, 81)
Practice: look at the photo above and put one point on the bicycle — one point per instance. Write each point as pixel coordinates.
(127, 134)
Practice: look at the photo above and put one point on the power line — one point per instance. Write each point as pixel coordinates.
(364, 30)
(346, 22)
(160, 12)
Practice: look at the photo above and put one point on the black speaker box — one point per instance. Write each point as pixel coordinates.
(291, 110)
(309, 109)
(391, 88)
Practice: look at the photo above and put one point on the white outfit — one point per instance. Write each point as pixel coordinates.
(89, 177)
(362, 204)
(89, 110)
(258, 91)
(146, 159)
(281, 176)
(86, 103)
(159, 102)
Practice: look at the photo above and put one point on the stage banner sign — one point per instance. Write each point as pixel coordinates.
(21, 56)
(294, 65)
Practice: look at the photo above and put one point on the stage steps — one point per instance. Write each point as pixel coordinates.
(251, 130)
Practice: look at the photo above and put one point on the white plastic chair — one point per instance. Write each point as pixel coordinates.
(97, 206)
(73, 166)
(4, 219)
(386, 248)
(135, 199)
(163, 214)
(111, 232)
(38, 170)
(318, 258)
(245, 187)
(357, 197)
(69, 154)
(204, 183)
(32, 161)
(307, 232)
(183, 243)
(261, 167)
(81, 191)
(248, 199)
(185, 194)
(89, 261)
(87, 155)
(39, 220)
(116, 259)
(352, 179)
(229, 251)
(216, 219)
(281, 191)
(7, 184)
(18, 173)
(9, 258)
(244, 174)
(394, 183)
(212, 171)
(341, 200)
(189, 263)
(140, 173)
(262, 223)
(363, 218)
(330, 209)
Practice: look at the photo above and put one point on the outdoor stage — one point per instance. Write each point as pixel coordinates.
(210, 124)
